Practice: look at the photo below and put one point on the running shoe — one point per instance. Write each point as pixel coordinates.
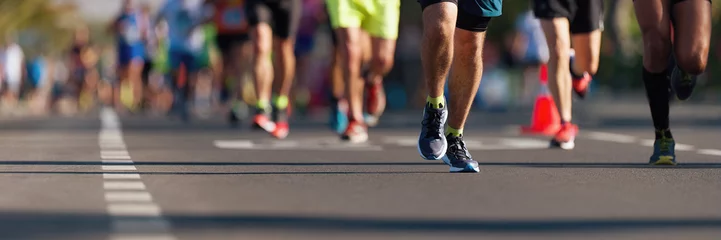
(375, 103)
(458, 157)
(682, 83)
(432, 143)
(280, 117)
(565, 137)
(338, 115)
(580, 83)
(663, 149)
(262, 120)
(356, 132)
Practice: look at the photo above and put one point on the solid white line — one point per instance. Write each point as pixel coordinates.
(118, 161)
(121, 176)
(133, 209)
(141, 225)
(610, 137)
(123, 185)
(143, 237)
(128, 197)
(119, 168)
(712, 152)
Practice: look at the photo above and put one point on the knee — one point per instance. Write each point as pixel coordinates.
(351, 52)
(560, 48)
(440, 30)
(691, 62)
(656, 45)
(383, 63)
(468, 42)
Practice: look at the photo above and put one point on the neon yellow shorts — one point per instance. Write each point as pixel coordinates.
(379, 18)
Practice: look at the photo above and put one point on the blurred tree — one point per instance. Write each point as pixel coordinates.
(41, 25)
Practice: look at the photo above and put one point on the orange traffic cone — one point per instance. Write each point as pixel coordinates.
(545, 119)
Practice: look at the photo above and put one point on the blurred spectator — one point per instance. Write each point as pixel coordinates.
(530, 50)
(13, 68)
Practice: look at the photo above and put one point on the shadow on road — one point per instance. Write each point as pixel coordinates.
(28, 225)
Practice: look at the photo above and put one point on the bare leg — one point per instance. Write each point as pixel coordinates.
(466, 75)
(263, 68)
(437, 51)
(559, 77)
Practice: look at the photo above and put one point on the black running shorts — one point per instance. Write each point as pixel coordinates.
(226, 42)
(282, 15)
(473, 15)
(585, 16)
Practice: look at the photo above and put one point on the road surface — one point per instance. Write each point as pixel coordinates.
(102, 176)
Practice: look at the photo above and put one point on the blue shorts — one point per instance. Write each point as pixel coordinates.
(128, 53)
(304, 45)
(178, 57)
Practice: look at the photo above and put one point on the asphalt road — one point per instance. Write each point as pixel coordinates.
(104, 177)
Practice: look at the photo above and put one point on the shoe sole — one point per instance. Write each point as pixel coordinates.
(469, 168)
(270, 127)
(665, 160)
(682, 93)
(570, 145)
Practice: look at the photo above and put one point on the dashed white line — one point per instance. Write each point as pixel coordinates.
(128, 197)
(610, 137)
(121, 176)
(134, 215)
(133, 209)
(124, 186)
(118, 168)
(712, 152)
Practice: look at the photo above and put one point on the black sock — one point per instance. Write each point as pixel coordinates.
(657, 93)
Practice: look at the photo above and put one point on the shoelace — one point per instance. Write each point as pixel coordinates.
(687, 79)
(665, 144)
(432, 122)
(458, 149)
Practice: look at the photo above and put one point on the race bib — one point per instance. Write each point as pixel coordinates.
(197, 39)
(131, 33)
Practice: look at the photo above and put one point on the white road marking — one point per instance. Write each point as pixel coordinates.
(610, 137)
(309, 144)
(128, 197)
(123, 185)
(133, 209)
(121, 176)
(125, 197)
(712, 152)
(114, 157)
(118, 161)
(119, 168)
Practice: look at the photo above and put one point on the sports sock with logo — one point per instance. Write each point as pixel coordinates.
(436, 102)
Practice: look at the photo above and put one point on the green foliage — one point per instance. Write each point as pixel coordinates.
(40, 25)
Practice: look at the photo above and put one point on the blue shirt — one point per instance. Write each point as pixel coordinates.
(182, 22)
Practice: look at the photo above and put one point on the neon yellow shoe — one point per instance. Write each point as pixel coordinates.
(664, 152)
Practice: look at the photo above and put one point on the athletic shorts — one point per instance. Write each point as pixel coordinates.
(283, 15)
(179, 57)
(473, 15)
(585, 16)
(226, 42)
(380, 18)
(128, 53)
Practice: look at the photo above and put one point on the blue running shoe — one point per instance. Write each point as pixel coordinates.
(664, 152)
(338, 121)
(458, 156)
(432, 143)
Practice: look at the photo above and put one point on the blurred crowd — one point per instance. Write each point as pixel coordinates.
(87, 73)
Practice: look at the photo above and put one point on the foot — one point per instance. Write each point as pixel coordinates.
(458, 157)
(580, 82)
(682, 83)
(280, 117)
(339, 115)
(356, 132)
(663, 149)
(432, 143)
(262, 120)
(565, 137)
(375, 102)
